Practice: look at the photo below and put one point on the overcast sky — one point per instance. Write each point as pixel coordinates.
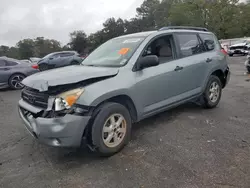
(55, 19)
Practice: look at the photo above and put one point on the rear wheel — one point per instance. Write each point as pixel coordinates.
(111, 129)
(230, 55)
(212, 92)
(15, 81)
(74, 63)
(43, 67)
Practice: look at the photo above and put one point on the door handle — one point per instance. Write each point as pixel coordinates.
(208, 60)
(4, 69)
(178, 68)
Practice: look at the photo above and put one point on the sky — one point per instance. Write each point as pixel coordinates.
(55, 19)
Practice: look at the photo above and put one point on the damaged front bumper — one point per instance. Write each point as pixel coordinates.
(65, 131)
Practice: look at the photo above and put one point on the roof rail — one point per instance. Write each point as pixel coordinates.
(184, 27)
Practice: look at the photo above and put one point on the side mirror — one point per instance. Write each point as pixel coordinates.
(51, 58)
(147, 61)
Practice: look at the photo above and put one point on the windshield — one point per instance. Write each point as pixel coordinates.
(114, 53)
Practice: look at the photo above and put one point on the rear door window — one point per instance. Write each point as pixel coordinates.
(2, 63)
(11, 63)
(208, 41)
(189, 44)
(68, 54)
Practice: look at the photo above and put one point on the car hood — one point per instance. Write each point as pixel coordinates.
(67, 75)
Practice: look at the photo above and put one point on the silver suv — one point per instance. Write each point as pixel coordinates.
(125, 80)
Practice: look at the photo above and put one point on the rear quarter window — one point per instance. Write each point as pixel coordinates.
(189, 44)
(11, 63)
(2, 63)
(208, 41)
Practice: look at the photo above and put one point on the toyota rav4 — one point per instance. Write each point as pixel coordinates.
(125, 80)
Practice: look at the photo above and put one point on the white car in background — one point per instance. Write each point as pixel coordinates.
(240, 48)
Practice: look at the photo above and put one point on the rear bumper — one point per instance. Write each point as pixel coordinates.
(64, 131)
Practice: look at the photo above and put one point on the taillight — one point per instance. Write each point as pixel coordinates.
(223, 51)
(34, 66)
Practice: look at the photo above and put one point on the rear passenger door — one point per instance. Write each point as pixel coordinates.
(66, 58)
(193, 62)
(3, 71)
(212, 57)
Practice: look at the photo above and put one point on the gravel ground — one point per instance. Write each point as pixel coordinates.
(187, 147)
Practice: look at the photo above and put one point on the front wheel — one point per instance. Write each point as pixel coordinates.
(43, 67)
(74, 63)
(212, 93)
(111, 129)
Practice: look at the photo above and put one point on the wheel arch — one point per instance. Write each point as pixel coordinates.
(220, 74)
(124, 100)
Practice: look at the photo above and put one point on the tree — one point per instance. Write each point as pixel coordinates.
(26, 48)
(78, 41)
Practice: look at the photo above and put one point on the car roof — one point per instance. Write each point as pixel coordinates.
(140, 34)
(14, 60)
(147, 33)
(64, 52)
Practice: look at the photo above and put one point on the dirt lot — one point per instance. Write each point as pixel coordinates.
(188, 147)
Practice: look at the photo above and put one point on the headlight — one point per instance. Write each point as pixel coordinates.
(67, 99)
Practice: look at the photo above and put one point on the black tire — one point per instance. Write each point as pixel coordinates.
(248, 69)
(230, 55)
(103, 115)
(43, 67)
(208, 102)
(15, 81)
(74, 63)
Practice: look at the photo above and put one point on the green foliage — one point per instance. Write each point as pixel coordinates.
(78, 41)
(226, 18)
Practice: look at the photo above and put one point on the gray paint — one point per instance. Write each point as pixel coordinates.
(7, 71)
(67, 75)
(68, 128)
(152, 89)
(55, 60)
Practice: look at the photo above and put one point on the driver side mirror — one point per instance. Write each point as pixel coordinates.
(51, 58)
(147, 61)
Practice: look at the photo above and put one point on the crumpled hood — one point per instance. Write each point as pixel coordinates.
(66, 75)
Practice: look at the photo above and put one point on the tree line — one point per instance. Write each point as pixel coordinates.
(226, 18)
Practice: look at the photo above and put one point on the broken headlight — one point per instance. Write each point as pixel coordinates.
(67, 99)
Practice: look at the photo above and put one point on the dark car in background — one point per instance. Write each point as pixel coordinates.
(59, 59)
(13, 71)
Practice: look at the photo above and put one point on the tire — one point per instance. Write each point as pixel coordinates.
(209, 101)
(43, 67)
(248, 69)
(231, 55)
(15, 81)
(101, 136)
(74, 63)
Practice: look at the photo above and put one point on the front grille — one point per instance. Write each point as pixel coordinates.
(34, 97)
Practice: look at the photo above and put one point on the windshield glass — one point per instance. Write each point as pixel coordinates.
(114, 53)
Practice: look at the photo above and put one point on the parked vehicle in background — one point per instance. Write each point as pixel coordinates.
(240, 49)
(59, 59)
(13, 71)
(125, 80)
(35, 60)
(26, 61)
